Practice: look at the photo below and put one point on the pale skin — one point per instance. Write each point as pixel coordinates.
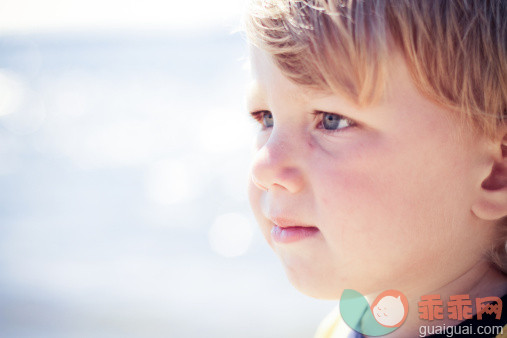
(396, 194)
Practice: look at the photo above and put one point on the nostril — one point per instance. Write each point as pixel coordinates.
(257, 184)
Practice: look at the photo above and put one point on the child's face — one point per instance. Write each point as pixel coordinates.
(387, 193)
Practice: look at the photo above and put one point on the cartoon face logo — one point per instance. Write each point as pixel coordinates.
(385, 315)
(390, 308)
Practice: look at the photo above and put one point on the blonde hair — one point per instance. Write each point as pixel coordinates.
(456, 52)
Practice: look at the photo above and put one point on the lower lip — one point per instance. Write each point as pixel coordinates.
(292, 234)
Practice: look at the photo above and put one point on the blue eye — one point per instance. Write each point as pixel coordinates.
(334, 122)
(264, 117)
(267, 119)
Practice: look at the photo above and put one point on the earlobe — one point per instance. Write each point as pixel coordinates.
(492, 204)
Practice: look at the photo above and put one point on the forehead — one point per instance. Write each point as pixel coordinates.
(268, 80)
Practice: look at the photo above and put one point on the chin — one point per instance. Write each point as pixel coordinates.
(315, 288)
(308, 280)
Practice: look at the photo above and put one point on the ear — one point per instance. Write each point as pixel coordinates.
(492, 203)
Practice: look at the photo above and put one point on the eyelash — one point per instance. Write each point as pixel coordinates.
(259, 116)
(321, 114)
(256, 115)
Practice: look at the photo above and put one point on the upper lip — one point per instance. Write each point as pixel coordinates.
(285, 222)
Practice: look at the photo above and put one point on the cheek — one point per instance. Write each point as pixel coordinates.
(389, 211)
(355, 210)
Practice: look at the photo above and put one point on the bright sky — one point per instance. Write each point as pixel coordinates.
(60, 15)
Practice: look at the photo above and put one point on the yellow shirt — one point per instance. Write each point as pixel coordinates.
(330, 326)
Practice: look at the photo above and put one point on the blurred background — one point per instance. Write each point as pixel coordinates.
(124, 150)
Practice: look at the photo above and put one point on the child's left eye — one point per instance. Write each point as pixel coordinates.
(332, 121)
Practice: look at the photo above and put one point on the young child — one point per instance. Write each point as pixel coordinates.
(381, 157)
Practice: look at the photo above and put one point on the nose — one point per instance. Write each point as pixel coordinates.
(275, 164)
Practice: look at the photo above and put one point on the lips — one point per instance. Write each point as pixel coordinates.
(286, 230)
(283, 222)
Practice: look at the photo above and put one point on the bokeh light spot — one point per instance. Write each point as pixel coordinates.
(230, 235)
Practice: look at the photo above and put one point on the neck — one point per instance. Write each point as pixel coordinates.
(481, 280)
